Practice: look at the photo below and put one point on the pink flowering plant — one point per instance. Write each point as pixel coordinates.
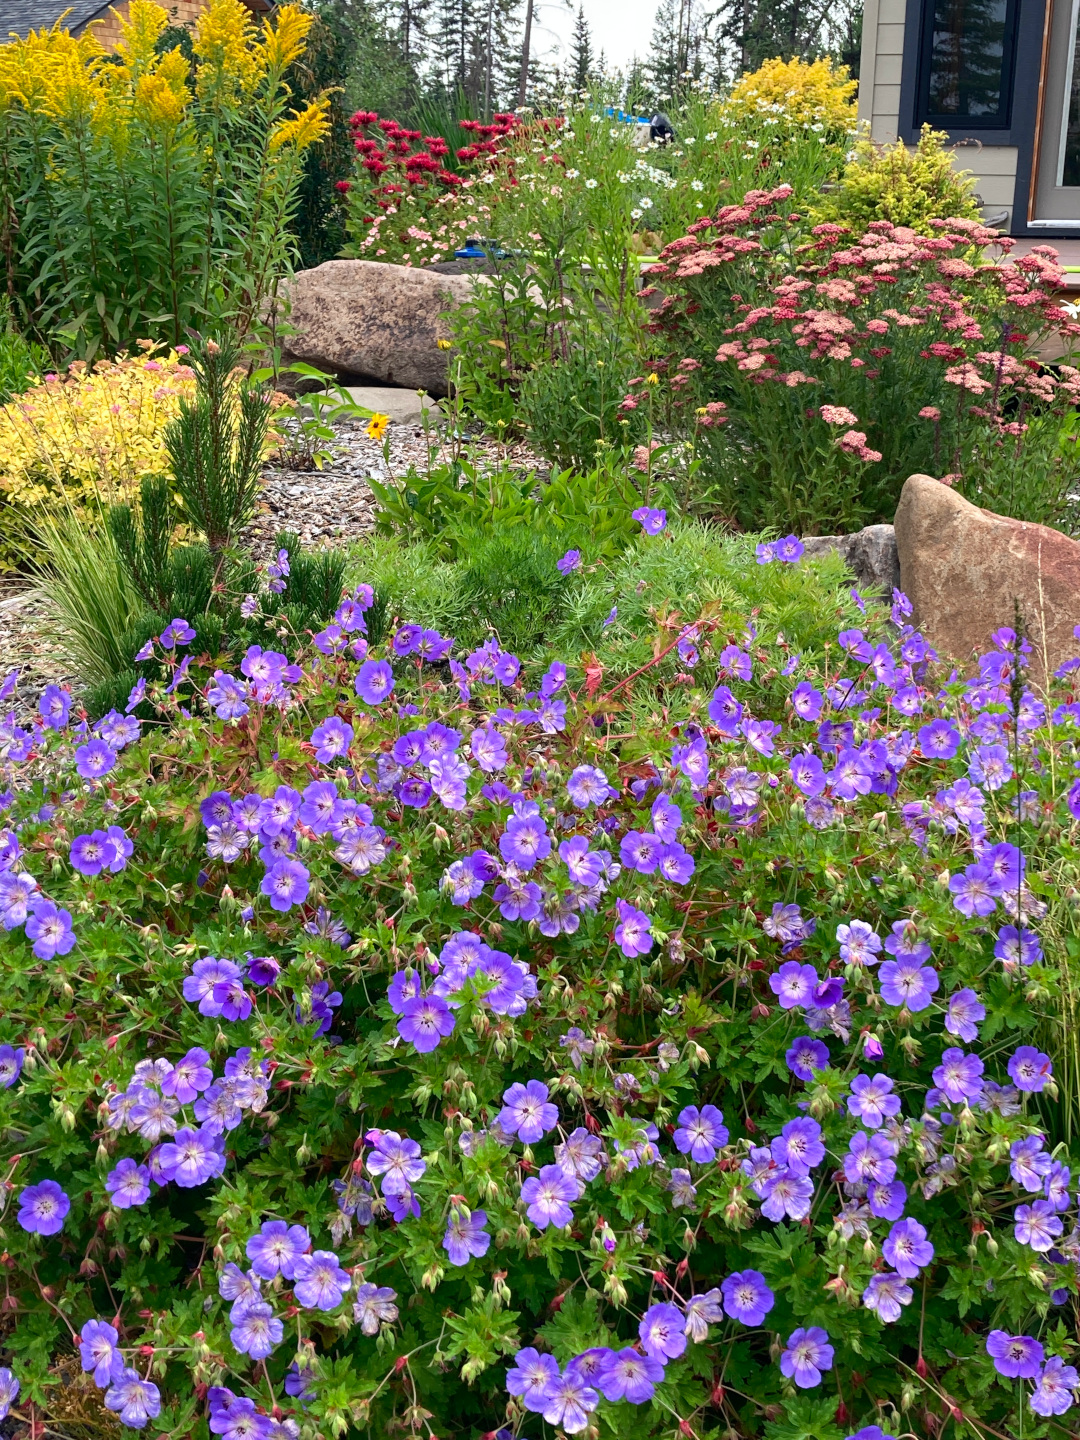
(842, 363)
(401, 1040)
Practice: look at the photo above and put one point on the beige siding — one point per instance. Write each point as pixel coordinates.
(994, 166)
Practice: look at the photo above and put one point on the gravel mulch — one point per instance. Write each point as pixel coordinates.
(333, 506)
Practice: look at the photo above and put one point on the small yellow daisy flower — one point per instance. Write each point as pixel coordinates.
(377, 426)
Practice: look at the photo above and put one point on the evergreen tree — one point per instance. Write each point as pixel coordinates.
(582, 72)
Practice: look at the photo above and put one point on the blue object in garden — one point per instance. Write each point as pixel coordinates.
(471, 250)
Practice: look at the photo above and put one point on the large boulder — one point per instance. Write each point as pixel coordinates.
(375, 322)
(965, 569)
(869, 553)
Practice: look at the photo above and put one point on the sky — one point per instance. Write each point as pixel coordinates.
(620, 28)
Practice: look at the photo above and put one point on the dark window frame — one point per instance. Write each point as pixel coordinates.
(999, 120)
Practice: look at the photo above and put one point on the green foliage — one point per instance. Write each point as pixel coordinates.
(217, 443)
(505, 579)
(659, 589)
(454, 502)
(905, 186)
(571, 406)
(92, 600)
(22, 362)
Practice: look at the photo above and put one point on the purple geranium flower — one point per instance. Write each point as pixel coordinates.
(9, 1386)
(633, 931)
(701, 1133)
(11, 1064)
(527, 1112)
(651, 520)
(1029, 1069)
(319, 1281)
(630, 1376)
(50, 929)
(192, 1157)
(54, 706)
(331, 739)
(747, 1298)
(532, 1377)
(396, 1159)
(425, 1021)
(94, 759)
(1017, 1357)
(277, 1248)
(548, 1197)
(98, 1352)
(373, 1306)
(287, 882)
(799, 1146)
(189, 1077)
(569, 1403)
(959, 1076)
(570, 562)
(962, 1017)
(525, 841)
(255, 1329)
(128, 1184)
(1037, 1226)
(177, 632)
(794, 984)
(806, 1056)
(872, 1100)
(466, 1236)
(907, 1249)
(886, 1294)
(662, 1332)
(43, 1208)
(1056, 1387)
(908, 982)
(134, 1399)
(374, 681)
(808, 1353)
(1017, 946)
(786, 1194)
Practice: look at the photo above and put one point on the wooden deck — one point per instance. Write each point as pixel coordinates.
(1068, 256)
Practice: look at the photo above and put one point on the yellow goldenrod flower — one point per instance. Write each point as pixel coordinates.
(285, 42)
(304, 129)
(377, 426)
(229, 59)
(140, 32)
(157, 102)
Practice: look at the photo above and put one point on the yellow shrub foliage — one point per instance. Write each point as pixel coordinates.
(908, 185)
(90, 436)
(818, 93)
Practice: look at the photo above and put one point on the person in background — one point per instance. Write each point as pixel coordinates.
(660, 129)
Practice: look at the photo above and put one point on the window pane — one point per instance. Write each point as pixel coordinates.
(967, 57)
(1070, 167)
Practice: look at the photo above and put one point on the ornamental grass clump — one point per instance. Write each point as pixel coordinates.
(402, 1040)
(826, 370)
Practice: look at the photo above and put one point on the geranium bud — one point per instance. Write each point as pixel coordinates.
(992, 1245)
(921, 1368)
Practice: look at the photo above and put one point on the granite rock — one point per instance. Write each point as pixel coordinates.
(966, 570)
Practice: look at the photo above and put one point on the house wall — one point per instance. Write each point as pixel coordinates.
(881, 70)
(107, 23)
